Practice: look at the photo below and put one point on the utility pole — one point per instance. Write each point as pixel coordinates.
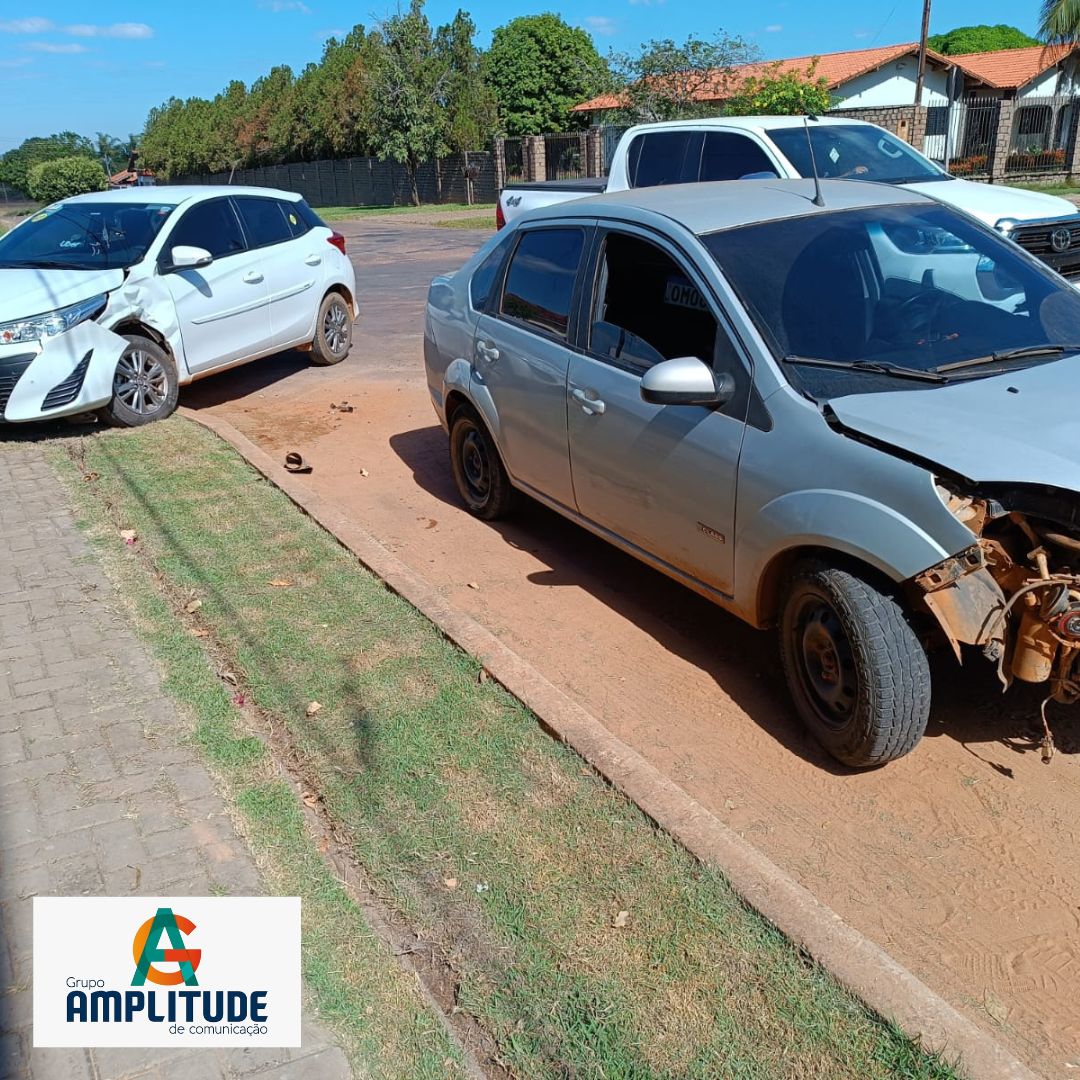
(922, 51)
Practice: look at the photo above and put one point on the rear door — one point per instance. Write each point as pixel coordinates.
(521, 356)
(223, 309)
(662, 477)
(291, 261)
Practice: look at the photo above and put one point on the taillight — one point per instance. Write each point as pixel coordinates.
(500, 217)
(337, 240)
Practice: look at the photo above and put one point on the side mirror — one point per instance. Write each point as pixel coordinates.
(183, 257)
(686, 380)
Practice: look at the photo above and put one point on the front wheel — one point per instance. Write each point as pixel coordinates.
(146, 386)
(333, 331)
(481, 478)
(855, 668)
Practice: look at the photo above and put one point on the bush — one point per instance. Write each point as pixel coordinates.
(60, 179)
(967, 166)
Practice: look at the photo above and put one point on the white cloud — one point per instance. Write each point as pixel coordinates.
(25, 26)
(55, 47)
(861, 34)
(647, 3)
(15, 62)
(774, 28)
(285, 5)
(130, 30)
(601, 24)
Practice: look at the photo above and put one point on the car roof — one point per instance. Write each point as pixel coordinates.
(749, 123)
(725, 204)
(175, 194)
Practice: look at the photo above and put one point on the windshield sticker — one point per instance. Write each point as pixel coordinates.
(834, 156)
(682, 294)
(292, 219)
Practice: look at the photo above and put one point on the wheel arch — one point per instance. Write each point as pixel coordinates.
(346, 293)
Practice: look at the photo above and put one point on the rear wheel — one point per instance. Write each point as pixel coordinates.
(481, 478)
(145, 385)
(855, 668)
(333, 331)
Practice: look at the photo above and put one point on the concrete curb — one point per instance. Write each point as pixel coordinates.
(854, 960)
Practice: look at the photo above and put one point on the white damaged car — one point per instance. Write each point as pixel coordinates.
(112, 301)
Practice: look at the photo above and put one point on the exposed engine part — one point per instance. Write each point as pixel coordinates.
(1015, 592)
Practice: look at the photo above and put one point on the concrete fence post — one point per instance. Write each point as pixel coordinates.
(999, 155)
(498, 155)
(534, 158)
(594, 151)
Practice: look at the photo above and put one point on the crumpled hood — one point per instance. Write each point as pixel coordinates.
(992, 202)
(981, 429)
(33, 292)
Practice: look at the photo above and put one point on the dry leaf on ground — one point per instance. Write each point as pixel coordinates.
(192, 606)
(312, 708)
(281, 583)
(450, 882)
(621, 919)
(472, 585)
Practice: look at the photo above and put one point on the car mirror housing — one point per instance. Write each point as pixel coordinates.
(183, 257)
(686, 380)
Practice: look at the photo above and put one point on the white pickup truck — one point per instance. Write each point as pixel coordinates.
(760, 147)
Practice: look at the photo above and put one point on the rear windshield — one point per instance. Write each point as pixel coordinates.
(854, 152)
(84, 236)
(915, 285)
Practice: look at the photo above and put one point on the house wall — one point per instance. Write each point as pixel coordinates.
(892, 85)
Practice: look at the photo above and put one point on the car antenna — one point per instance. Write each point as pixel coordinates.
(818, 199)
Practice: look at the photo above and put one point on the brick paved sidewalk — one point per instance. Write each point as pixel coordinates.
(98, 795)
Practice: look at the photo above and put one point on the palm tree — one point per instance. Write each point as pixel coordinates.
(112, 152)
(1059, 20)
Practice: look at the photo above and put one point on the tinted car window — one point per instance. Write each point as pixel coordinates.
(540, 281)
(665, 157)
(264, 220)
(486, 276)
(212, 226)
(858, 151)
(299, 223)
(307, 215)
(728, 156)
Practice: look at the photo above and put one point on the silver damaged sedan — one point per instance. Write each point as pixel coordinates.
(855, 423)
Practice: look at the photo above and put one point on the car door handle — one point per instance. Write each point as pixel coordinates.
(313, 260)
(591, 405)
(486, 351)
(253, 277)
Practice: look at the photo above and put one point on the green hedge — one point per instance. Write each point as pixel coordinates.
(60, 179)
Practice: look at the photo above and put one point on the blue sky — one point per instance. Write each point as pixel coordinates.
(101, 67)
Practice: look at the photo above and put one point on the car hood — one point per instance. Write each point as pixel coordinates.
(1014, 428)
(33, 292)
(992, 202)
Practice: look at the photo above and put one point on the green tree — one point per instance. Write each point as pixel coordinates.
(266, 133)
(112, 152)
(781, 93)
(16, 164)
(1059, 20)
(49, 181)
(982, 38)
(470, 111)
(538, 68)
(668, 81)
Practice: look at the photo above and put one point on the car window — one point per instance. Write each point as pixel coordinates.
(645, 307)
(665, 157)
(540, 281)
(212, 226)
(264, 220)
(728, 156)
(484, 280)
(299, 223)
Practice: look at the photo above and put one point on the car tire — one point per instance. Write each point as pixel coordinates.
(854, 665)
(146, 386)
(333, 331)
(481, 478)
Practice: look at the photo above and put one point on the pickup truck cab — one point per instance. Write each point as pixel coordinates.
(758, 147)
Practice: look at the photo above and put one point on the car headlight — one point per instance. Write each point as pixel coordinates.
(51, 323)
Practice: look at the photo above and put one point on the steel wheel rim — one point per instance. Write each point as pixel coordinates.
(475, 465)
(825, 663)
(336, 328)
(141, 382)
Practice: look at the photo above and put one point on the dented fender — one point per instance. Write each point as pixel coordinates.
(966, 601)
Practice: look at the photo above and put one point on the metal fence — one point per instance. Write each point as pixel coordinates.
(611, 136)
(367, 181)
(514, 158)
(564, 156)
(1041, 131)
(962, 135)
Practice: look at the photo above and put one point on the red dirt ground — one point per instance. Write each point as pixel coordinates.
(962, 860)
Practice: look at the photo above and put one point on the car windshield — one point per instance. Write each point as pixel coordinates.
(917, 286)
(84, 236)
(856, 152)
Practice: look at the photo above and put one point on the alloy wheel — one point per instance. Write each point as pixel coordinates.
(141, 383)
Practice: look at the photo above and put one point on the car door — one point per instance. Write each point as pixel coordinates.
(521, 356)
(662, 477)
(733, 155)
(293, 265)
(223, 309)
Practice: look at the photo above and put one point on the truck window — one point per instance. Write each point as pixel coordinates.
(646, 309)
(656, 158)
(729, 156)
(540, 280)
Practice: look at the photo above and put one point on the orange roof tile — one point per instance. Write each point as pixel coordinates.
(835, 68)
(1011, 68)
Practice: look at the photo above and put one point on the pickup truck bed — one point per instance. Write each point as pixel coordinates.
(594, 185)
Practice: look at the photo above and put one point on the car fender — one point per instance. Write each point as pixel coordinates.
(58, 359)
(844, 522)
(145, 299)
(458, 378)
